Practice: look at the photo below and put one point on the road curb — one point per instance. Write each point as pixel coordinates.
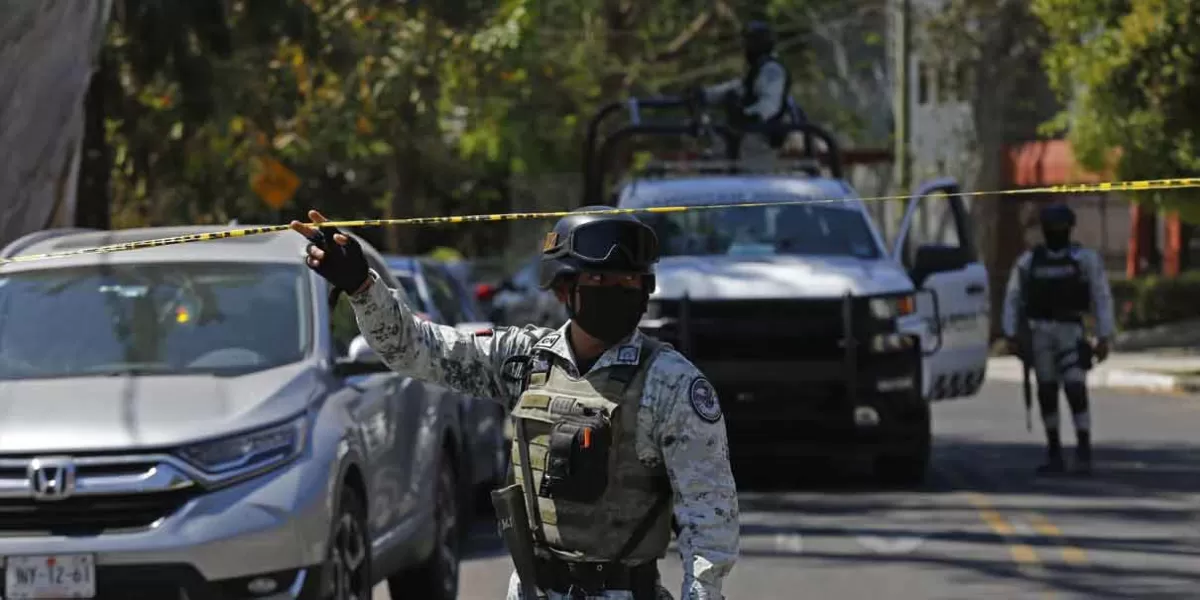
(1129, 379)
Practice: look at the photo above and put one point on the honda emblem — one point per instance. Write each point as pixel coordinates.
(52, 478)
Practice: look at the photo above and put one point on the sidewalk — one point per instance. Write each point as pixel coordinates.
(1145, 371)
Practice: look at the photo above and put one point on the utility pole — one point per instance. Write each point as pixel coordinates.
(902, 38)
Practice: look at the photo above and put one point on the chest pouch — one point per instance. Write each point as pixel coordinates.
(577, 459)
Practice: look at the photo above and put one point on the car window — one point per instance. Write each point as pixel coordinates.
(443, 295)
(222, 318)
(527, 277)
(766, 230)
(409, 284)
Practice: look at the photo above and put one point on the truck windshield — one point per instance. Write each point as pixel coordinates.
(153, 319)
(765, 230)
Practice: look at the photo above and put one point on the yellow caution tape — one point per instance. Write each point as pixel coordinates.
(1082, 188)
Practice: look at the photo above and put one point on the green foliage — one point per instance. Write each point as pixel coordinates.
(399, 108)
(1150, 301)
(1130, 75)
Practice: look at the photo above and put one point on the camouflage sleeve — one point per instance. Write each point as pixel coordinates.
(1013, 298)
(715, 93)
(467, 362)
(769, 89)
(1102, 301)
(687, 428)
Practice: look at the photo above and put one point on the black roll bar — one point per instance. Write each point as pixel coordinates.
(593, 192)
(634, 106)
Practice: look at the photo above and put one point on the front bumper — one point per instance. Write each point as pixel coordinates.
(209, 545)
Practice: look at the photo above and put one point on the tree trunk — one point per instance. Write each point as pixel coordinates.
(47, 52)
(93, 202)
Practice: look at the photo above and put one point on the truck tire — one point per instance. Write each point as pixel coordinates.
(907, 468)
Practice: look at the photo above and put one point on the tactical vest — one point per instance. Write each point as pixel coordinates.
(591, 491)
(750, 95)
(1056, 288)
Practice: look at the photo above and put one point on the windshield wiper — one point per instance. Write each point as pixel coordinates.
(132, 369)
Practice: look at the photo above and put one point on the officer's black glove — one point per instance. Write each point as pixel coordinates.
(344, 266)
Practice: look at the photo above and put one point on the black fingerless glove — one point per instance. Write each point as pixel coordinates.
(344, 267)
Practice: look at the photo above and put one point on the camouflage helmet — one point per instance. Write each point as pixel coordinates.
(597, 243)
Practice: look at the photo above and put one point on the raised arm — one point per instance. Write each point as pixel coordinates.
(690, 432)
(468, 362)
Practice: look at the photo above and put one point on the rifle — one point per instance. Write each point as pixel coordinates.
(514, 528)
(1024, 353)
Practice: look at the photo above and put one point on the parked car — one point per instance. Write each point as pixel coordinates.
(517, 301)
(441, 297)
(198, 421)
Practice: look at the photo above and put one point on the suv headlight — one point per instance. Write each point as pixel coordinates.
(893, 307)
(247, 453)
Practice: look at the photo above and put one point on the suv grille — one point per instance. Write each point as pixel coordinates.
(112, 494)
(808, 329)
(88, 515)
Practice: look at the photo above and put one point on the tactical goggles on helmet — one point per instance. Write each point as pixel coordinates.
(612, 244)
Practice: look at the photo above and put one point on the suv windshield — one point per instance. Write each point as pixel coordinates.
(159, 318)
(815, 229)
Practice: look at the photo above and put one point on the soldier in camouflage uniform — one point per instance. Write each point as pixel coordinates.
(757, 98)
(1051, 289)
(614, 427)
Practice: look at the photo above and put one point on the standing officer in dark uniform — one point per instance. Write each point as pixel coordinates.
(760, 96)
(1051, 289)
(616, 432)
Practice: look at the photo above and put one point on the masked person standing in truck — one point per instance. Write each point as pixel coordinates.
(760, 96)
(612, 428)
(1051, 289)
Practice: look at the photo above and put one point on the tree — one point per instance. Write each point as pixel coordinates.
(49, 49)
(1129, 73)
(1000, 43)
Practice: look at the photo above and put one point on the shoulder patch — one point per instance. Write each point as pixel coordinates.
(627, 355)
(548, 341)
(704, 400)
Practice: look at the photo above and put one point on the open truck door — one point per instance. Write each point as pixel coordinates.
(936, 246)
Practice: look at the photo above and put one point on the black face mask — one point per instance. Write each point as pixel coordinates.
(610, 313)
(1056, 238)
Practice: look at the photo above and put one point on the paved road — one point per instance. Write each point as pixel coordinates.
(983, 527)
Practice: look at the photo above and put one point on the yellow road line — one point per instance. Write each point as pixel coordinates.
(1022, 554)
(1073, 555)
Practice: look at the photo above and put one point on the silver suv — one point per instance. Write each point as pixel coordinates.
(194, 421)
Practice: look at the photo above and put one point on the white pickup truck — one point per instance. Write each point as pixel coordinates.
(821, 339)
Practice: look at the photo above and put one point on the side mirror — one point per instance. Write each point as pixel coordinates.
(936, 258)
(360, 359)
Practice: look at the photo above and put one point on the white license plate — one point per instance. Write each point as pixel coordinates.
(54, 576)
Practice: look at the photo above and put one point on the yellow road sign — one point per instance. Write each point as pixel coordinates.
(274, 183)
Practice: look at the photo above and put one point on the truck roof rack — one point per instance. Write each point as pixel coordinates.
(16, 246)
(598, 153)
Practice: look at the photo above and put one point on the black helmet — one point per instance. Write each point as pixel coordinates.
(1057, 215)
(598, 242)
(758, 38)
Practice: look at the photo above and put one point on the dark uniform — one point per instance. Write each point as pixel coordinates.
(606, 450)
(1051, 289)
(761, 94)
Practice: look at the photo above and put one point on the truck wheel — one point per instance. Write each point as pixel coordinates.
(907, 468)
